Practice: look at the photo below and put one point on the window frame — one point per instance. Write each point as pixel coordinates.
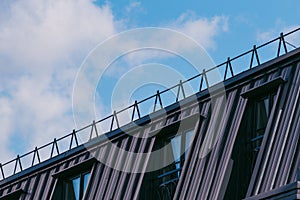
(243, 157)
(13, 195)
(167, 174)
(70, 173)
(69, 183)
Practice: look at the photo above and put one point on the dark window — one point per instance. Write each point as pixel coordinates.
(169, 176)
(13, 195)
(180, 145)
(75, 187)
(72, 187)
(261, 109)
(171, 146)
(72, 181)
(247, 145)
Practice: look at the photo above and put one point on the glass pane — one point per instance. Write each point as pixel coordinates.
(176, 146)
(76, 187)
(68, 191)
(85, 181)
(261, 116)
(273, 99)
(267, 106)
(188, 140)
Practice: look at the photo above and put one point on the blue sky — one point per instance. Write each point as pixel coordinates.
(44, 42)
(246, 19)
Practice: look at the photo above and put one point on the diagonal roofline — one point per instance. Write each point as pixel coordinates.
(113, 118)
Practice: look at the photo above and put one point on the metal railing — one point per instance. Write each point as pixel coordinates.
(15, 165)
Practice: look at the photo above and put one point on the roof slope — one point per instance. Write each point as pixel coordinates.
(279, 156)
(208, 168)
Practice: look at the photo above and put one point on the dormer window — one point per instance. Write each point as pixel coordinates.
(169, 176)
(72, 182)
(180, 145)
(261, 101)
(74, 187)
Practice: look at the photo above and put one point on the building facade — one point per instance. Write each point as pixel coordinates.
(238, 143)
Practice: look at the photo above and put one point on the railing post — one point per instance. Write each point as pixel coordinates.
(180, 87)
(157, 98)
(205, 78)
(113, 119)
(73, 135)
(54, 145)
(201, 83)
(254, 53)
(94, 127)
(35, 152)
(135, 107)
(228, 64)
(281, 40)
(116, 118)
(18, 161)
(2, 171)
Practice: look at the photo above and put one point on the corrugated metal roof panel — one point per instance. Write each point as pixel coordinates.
(208, 167)
(202, 178)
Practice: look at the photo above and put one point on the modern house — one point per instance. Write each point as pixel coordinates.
(240, 142)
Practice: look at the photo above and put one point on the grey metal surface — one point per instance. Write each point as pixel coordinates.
(202, 177)
(278, 159)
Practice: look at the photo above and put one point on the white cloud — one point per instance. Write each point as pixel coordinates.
(203, 30)
(292, 39)
(42, 44)
(49, 31)
(265, 36)
(134, 6)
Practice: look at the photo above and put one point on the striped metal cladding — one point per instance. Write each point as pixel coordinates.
(105, 182)
(276, 170)
(279, 157)
(209, 169)
(283, 47)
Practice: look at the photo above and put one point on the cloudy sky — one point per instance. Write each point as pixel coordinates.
(44, 42)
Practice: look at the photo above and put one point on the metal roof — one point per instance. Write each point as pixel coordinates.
(279, 157)
(201, 177)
